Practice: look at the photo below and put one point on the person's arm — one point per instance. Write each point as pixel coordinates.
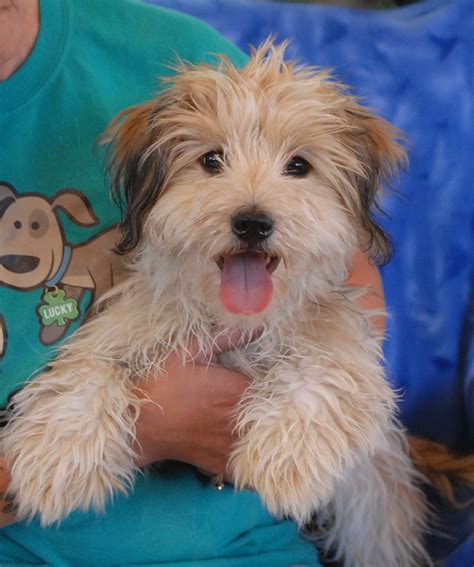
(364, 274)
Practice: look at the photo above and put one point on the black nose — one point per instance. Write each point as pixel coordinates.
(252, 228)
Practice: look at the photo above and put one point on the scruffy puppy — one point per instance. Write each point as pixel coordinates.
(247, 193)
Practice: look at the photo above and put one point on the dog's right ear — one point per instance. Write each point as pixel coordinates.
(8, 196)
(137, 165)
(377, 147)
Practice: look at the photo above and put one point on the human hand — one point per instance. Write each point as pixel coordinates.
(190, 416)
(7, 512)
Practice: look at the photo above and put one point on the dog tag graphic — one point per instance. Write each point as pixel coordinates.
(57, 308)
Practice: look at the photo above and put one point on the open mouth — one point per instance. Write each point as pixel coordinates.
(19, 264)
(246, 283)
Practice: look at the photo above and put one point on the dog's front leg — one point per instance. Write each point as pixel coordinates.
(301, 428)
(378, 513)
(68, 442)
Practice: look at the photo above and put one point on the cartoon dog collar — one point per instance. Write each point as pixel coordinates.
(62, 268)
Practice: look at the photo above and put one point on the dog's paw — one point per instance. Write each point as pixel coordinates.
(49, 481)
(68, 444)
(56, 471)
(280, 461)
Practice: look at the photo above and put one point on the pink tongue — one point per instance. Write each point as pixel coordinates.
(246, 286)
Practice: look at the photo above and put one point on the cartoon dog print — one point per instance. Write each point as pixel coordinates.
(3, 336)
(34, 252)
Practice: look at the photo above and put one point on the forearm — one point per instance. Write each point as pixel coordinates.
(364, 274)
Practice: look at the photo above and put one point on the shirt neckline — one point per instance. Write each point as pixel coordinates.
(44, 59)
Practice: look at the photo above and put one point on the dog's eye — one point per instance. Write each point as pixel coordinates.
(17, 224)
(212, 162)
(297, 167)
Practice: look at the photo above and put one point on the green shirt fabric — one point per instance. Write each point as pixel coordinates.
(93, 58)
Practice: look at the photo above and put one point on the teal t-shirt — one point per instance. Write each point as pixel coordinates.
(93, 58)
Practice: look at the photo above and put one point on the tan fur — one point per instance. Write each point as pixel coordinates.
(317, 427)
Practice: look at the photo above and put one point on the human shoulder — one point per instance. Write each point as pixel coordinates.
(153, 33)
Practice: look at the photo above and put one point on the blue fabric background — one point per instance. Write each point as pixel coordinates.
(415, 66)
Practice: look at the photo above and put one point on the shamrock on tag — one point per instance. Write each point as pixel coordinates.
(58, 308)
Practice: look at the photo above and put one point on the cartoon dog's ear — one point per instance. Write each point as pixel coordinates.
(76, 206)
(7, 190)
(3, 337)
(7, 196)
(137, 165)
(379, 155)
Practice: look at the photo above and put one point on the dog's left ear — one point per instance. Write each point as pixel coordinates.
(137, 166)
(375, 143)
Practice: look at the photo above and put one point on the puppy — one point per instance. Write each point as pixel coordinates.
(247, 193)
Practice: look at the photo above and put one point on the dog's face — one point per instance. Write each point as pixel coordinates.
(259, 182)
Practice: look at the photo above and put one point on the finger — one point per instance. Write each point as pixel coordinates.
(7, 507)
(7, 517)
(228, 479)
(215, 476)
